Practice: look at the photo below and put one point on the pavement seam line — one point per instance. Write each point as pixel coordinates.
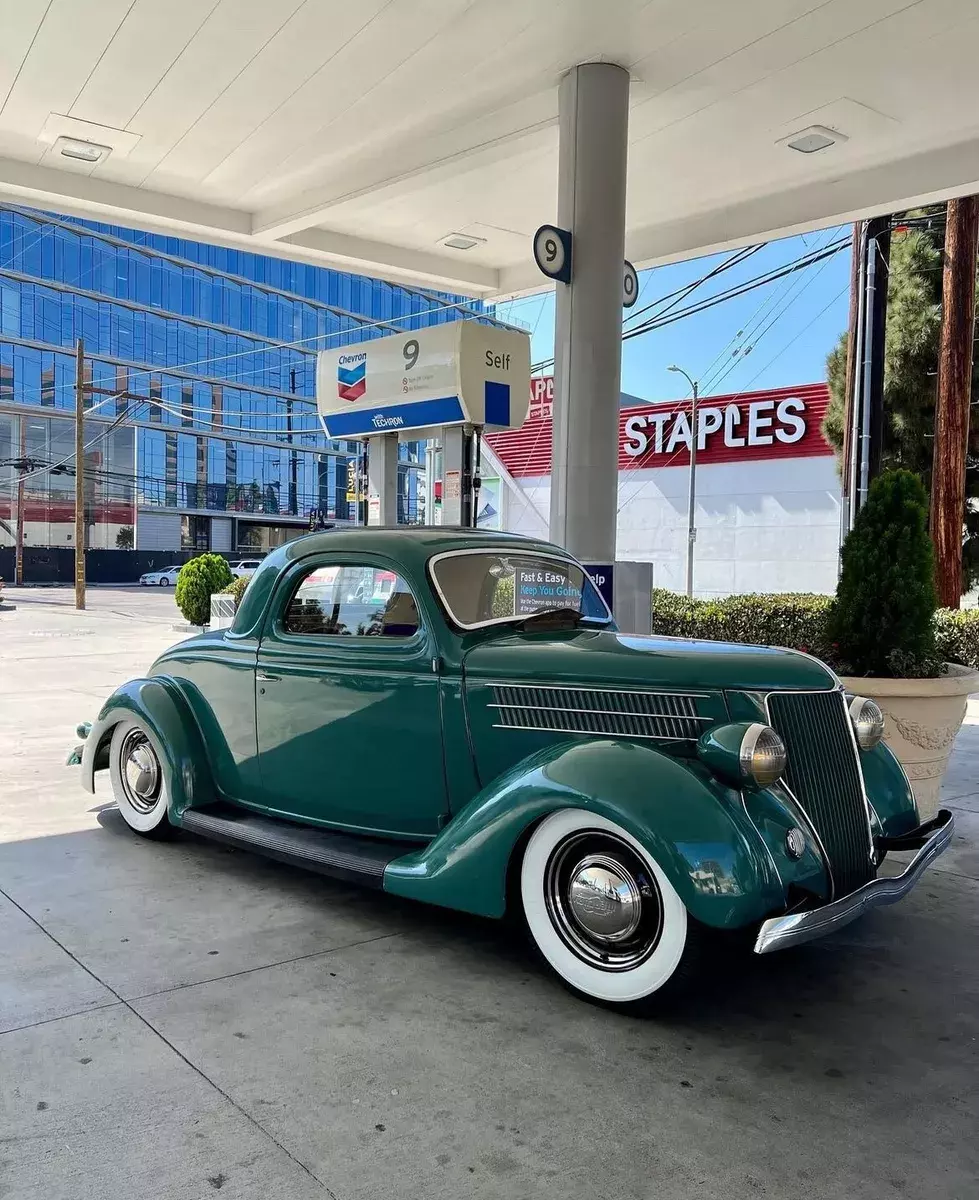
(284, 962)
(81, 1012)
(183, 1057)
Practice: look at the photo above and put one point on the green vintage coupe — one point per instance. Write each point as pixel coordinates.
(452, 716)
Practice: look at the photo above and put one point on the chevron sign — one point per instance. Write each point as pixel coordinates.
(351, 376)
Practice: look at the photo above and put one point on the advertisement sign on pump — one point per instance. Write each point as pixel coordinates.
(461, 372)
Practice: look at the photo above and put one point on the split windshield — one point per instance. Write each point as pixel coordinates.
(479, 588)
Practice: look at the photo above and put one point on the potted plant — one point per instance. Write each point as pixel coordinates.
(197, 581)
(883, 627)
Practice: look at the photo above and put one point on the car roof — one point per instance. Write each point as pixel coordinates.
(408, 545)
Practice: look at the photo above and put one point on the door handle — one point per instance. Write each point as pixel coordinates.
(263, 678)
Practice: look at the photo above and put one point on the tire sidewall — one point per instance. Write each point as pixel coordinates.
(610, 987)
(141, 822)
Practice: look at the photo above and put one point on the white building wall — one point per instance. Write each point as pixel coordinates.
(221, 534)
(762, 526)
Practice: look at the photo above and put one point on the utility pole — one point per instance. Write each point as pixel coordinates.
(849, 386)
(80, 529)
(19, 534)
(954, 396)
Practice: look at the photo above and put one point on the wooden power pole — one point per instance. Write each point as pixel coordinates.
(80, 528)
(954, 396)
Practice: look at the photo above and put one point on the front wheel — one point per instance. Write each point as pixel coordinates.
(602, 912)
(138, 784)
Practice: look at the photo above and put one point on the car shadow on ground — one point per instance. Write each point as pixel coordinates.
(859, 974)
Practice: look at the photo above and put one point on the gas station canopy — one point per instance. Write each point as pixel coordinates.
(418, 140)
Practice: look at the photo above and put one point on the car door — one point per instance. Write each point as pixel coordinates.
(347, 701)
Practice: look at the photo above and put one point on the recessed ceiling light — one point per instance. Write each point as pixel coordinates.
(462, 241)
(89, 152)
(813, 139)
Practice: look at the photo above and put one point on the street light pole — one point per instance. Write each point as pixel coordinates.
(692, 496)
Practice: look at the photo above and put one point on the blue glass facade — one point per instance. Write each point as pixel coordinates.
(201, 430)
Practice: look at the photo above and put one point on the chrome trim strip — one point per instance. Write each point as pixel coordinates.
(588, 687)
(592, 733)
(602, 712)
(796, 928)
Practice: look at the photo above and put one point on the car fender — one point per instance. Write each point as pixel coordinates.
(888, 791)
(695, 827)
(159, 706)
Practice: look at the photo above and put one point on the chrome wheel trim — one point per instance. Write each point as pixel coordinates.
(140, 772)
(603, 901)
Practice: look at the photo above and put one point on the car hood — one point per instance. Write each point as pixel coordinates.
(589, 656)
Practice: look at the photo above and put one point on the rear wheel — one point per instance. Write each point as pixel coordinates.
(602, 912)
(138, 784)
(164, 582)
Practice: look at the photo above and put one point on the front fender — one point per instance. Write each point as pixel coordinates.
(159, 706)
(888, 791)
(695, 827)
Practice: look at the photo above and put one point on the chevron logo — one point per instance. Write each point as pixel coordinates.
(352, 379)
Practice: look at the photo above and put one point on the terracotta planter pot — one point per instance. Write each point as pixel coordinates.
(921, 719)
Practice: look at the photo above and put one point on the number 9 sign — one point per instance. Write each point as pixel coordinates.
(552, 252)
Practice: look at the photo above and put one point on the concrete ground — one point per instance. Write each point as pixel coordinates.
(181, 1019)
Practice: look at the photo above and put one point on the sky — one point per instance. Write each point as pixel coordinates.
(774, 336)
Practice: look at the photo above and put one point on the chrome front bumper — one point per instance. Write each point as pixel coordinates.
(795, 928)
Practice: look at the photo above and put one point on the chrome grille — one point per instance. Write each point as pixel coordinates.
(661, 715)
(824, 775)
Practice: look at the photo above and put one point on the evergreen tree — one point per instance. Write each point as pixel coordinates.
(914, 306)
(883, 618)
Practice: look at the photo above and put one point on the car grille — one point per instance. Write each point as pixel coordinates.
(659, 715)
(824, 776)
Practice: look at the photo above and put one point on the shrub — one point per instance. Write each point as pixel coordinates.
(957, 636)
(799, 621)
(197, 580)
(883, 618)
(237, 589)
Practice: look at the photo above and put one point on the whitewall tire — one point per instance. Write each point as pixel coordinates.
(138, 780)
(601, 910)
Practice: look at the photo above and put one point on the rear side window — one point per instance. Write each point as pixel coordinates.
(352, 601)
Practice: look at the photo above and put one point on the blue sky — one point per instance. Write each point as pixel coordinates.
(774, 336)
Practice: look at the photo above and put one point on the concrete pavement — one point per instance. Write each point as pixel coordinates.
(180, 1019)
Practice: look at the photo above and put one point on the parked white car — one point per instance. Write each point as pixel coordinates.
(246, 568)
(165, 578)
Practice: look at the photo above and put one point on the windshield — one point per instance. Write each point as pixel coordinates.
(480, 588)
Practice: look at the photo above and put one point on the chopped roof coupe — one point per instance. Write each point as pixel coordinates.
(452, 716)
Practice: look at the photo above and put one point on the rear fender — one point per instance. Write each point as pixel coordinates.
(695, 827)
(158, 705)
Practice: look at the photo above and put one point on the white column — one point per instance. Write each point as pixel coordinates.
(593, 103)
(382, 480)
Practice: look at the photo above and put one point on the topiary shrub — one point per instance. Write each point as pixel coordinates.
(197, 580)
(883, 619)
(237, 589)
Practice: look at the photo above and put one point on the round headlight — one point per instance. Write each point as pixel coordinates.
(762, 754)
(868, 722)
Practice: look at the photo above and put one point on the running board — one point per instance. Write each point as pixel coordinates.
(341, 855)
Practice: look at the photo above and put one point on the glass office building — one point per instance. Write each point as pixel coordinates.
(199, 369)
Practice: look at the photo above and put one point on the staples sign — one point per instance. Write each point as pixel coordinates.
(767, 425)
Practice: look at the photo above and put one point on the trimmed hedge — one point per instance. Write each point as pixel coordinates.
(795, 620)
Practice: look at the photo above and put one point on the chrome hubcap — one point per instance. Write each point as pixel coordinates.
(603, 900)
(140, 772)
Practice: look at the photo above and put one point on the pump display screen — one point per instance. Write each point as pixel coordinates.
(479, 588)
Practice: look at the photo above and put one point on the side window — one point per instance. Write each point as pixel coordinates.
(348, 601)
